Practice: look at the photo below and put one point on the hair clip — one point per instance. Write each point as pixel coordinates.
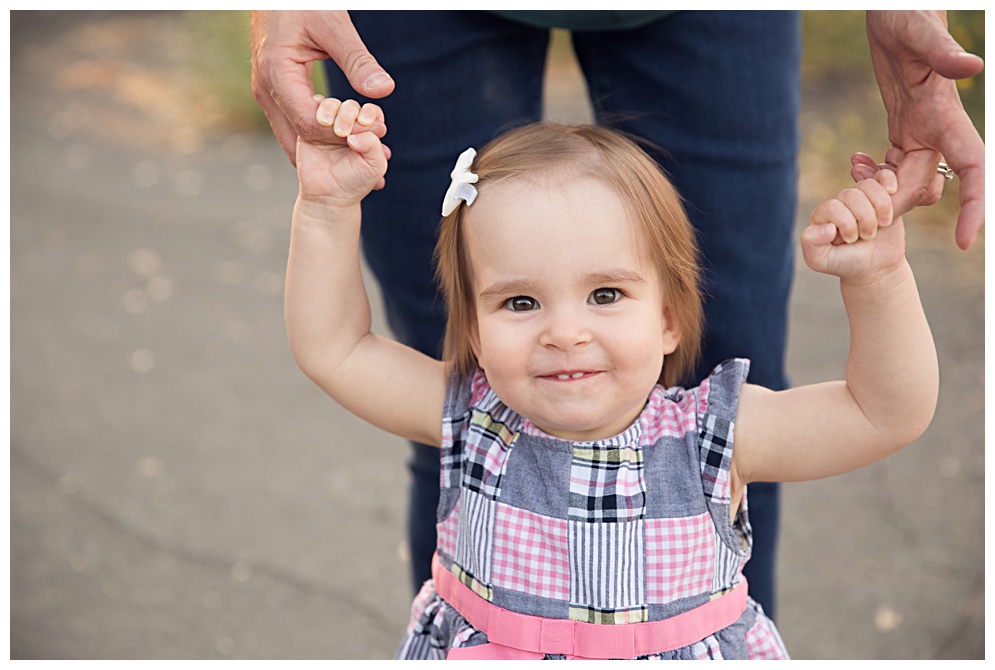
(461, 187)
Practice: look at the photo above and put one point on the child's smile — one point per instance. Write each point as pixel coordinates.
(570, 320)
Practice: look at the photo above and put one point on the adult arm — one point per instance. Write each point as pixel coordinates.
(285, 44)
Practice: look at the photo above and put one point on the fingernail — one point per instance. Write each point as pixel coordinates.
(376, 81)
(324, 117)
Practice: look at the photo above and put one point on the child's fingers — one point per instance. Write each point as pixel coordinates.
(878, 192)
(327, 109)
(817, 245)
(838, 212)
(386, 154)
(369, 147)
(371, 119)
(365, 144)
(888, 179)
(819, 235)
(871, 204)
(346, 117)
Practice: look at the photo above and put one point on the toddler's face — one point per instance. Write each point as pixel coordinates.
(571, 328)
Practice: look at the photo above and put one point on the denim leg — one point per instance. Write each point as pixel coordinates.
(461, 78)
(719, 93)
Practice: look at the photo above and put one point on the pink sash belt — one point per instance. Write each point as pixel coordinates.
(520, 636)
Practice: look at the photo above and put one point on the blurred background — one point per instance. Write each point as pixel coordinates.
(180, 490)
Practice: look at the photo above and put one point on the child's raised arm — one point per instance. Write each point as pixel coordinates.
(889, 394)
(327, 311)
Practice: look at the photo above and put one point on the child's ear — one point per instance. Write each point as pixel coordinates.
(671, 333)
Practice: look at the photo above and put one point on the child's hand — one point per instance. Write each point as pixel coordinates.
(349, 161)
(854, 235)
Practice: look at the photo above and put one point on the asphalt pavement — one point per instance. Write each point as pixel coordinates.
(179, 490)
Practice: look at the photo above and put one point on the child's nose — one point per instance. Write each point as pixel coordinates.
(566, 329)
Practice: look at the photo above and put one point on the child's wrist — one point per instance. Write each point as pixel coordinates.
(325, 207)
(881, 278)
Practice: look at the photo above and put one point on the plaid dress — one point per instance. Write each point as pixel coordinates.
(629, 529)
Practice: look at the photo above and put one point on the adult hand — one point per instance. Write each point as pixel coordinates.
(916, 62)
(284, 46)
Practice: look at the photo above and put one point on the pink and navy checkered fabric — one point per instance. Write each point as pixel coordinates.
(625, 530)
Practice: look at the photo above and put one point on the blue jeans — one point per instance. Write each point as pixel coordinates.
(717, 91)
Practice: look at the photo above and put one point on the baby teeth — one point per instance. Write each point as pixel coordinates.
(576, 375)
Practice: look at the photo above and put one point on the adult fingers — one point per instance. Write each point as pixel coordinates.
(284, 131)
(924, 35)
(938, 49)
(281, 52)
(972, 205)
(863, 167)
(917, 185)
(964, 151)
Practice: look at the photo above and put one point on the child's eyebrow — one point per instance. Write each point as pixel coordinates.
(615, 276)
(608, 277)
(509, 287)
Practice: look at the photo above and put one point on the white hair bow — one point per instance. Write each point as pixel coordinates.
(461, 187)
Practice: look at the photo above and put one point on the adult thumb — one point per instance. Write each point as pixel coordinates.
(344, 46)
(938, 48)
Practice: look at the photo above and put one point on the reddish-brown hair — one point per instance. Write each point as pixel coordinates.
(556, 151)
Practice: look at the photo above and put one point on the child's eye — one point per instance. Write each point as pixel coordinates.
(605, 296)
(521, 303)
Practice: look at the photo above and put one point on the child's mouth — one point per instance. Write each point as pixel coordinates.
(569, 375)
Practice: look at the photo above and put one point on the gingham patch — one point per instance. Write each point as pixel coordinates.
(445, 532)
(707, 650)
(674, 415)
(702, 391)
(530, 553)
(606, 483)
(679, 555)
(763, 642)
